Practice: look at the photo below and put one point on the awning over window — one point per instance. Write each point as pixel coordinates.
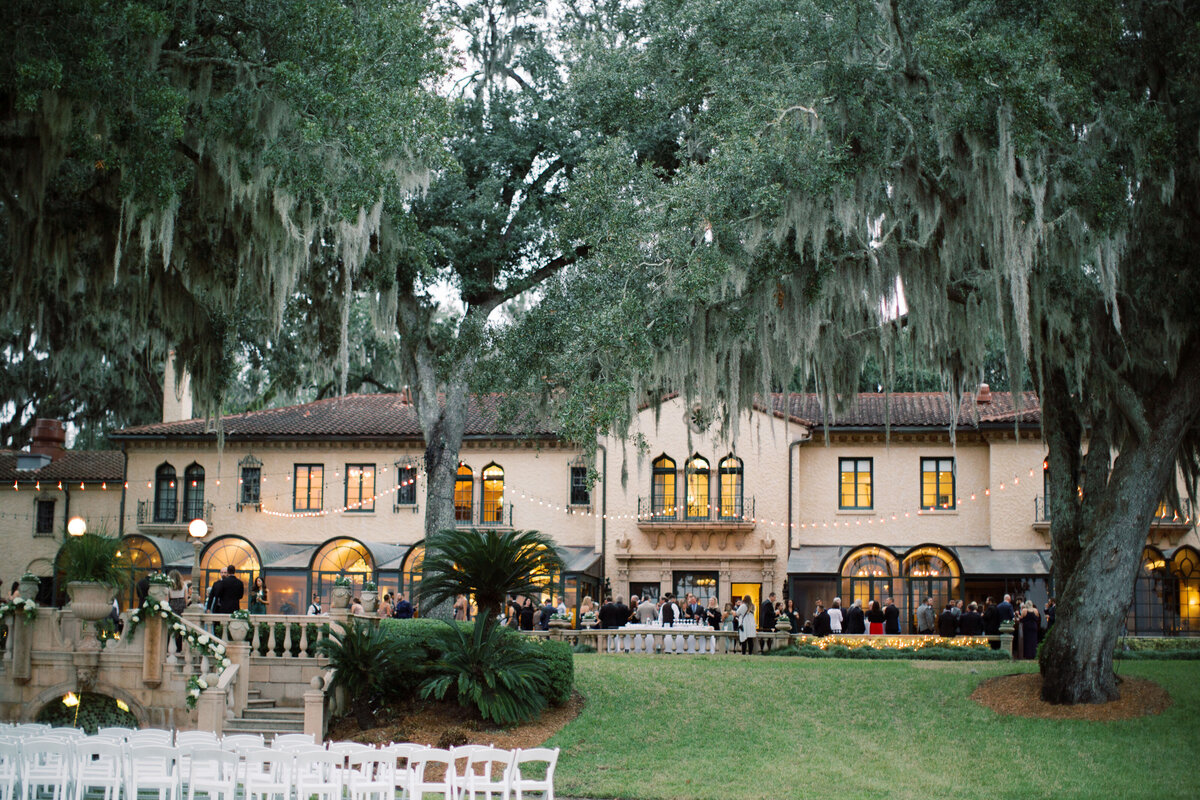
(816, 560)
(986, 561)
(579, 560)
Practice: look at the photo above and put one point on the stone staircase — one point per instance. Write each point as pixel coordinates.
(263, 716)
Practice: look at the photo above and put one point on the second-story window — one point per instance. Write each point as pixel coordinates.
(360, 487)
(406, 485)
(731, 487)
(855, 490)
(464, 493)
(580, 496)
(662, 488)
(250, 480)
(491, 512)
(937, 483)
(309, 490)
(193, 493)
(165, 496)
(697, 487)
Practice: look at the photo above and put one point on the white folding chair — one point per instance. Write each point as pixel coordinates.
(213, 773)
(98, 765)
(526, 782)
(45, 767)
(10, 767)
(204, 738)
(239, 742)
(424, 781)
(152, 768)
(112, 733)
(64, 734)
(318, 773)
(268, 774)
(157, 737)
(488, 771)
(292, 738)
(402, 756)
(31, 728)
(370, 776)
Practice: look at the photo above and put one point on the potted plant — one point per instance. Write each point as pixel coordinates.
(160, 586)
(238, 627)
(370, 597)
(340, 596)
(783, 623)
(94, 569)
(560, 621)
(589, 620)
(29, 585)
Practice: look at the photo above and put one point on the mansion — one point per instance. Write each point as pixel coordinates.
(902, 496)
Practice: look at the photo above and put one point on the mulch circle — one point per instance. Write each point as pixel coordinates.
(1021, 696)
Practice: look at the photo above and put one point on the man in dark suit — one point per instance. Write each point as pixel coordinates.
(620, 613)
(821, 625)
(692, 610)
(855, 619)
(947, 623)
(970, 623)
(606, 614)
(766, 616)
(143, 589)
(891, 617)
(227, 593)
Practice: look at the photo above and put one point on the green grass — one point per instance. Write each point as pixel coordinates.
(729, 728)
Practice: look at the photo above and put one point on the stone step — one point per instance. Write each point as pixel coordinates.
(268, 728)
(254, 693)
(259, 702)
(273, 712)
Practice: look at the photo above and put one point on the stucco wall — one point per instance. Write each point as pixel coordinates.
(24, 549)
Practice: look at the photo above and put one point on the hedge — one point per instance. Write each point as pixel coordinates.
(560, 669)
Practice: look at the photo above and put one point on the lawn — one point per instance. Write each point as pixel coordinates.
(727, 728)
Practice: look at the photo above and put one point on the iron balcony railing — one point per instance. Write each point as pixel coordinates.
(149, 513)
(483, 515)
(1164, 515)
(655, 509)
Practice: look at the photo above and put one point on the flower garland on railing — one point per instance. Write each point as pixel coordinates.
(200, 642)
(195, 686)
(21, 605)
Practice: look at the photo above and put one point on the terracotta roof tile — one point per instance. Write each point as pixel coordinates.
(73, 465)
(914, 410)
(378, 416)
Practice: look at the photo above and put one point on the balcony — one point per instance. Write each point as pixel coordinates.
(172, 519)
(1166, 527)
(677, 526)
(482, 515)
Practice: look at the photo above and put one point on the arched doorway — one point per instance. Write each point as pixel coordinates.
(410, 571)
(229, 551)
(929, 571)
(337, 557)
(143, 558)
(869, 573)
(1154, 591)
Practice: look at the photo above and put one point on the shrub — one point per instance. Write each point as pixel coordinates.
(1143, 643)
(582, 648)
(365, 663)
(490, 669)
(560, 668)
(1158, 655)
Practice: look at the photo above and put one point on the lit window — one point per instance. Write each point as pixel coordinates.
(464, 493)
(731, 488)
(697, 488)
(309, 487)
(937, 483)
(406, 485)
(855, 489)
(492, 511)
(662, 489)
(360, 487)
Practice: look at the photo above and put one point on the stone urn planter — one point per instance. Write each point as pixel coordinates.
(90, 601)
(340, 596)
(589, 622)
(783, 625)
(238, 630)
(560, 624)
(370, 600)
(29, 588)
(160, 592)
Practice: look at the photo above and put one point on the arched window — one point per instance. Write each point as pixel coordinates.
(929, 571)
(410, 572)
(193, 493)
(1154, 597)
(697, 487)
(341, 557)
(464, 493)
(869, 574)
(731, 488)
(165, 494)
(492, 511)
(229, 551)
(142, 557)
(1185, 565)
(662, 488)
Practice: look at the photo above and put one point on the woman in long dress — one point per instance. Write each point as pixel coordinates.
(746, 631)
(1030, 622)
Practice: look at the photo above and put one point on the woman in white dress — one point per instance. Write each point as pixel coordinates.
(746, 631)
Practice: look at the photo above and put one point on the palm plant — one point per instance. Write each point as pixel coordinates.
(487, 565)
(94, 557)
(367, 663)
(491, 669)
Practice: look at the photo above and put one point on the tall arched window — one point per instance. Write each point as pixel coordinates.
(1185, 565)
(731, 488)
(1154, 594)
(193, 493)
(338, 557)
(868, 574)
(697, 487)
(142, 558)
(930, 571)
(165, 496)
(662, 488)
(464, 493)
(410, 572)
(229, 551)
(492, 510)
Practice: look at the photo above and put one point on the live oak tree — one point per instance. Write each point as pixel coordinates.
(1028, 171)
(170, 171)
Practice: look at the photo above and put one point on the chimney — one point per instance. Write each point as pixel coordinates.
(177, 394)
(984, 395)
(48, 439)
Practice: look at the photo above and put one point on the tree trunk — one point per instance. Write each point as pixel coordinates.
(1100, 516)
